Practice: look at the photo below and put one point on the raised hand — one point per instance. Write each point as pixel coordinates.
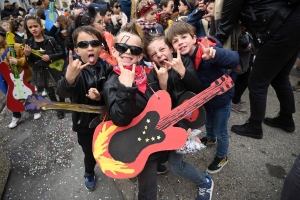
(127, 76)
(13, 61)
(208, 52)
(202, 6)
(27, 50)
(94, 94)
(162, 75)
(177, 64)
(74, 68)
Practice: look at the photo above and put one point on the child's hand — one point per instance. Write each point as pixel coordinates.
(27, 50)
(94, 94)
(12, 61)
(202, 6)
(162, 75)
(127, 76)
(208, 52)
(74, 68)
(177, 64)
(248, 48)
(45, 58)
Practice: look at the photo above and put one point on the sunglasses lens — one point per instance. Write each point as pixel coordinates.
(85, 44)
(122, 48)
(136, 50)
(95, 43)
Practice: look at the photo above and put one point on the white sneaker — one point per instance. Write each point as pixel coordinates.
(37, 115)
(14, 122)
(44, 93)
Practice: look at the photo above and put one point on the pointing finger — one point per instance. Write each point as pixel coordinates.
(154, 66)
(83, 66)
(206, 42)
(133, 68)
(178, 54)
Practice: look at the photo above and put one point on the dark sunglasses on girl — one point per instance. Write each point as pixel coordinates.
(85, 44)
(117, 7)
(134, 50)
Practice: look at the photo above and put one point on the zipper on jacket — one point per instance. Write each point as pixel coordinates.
(95, 77)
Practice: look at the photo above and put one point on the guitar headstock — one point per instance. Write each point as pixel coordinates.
(224, 82)
(10, 38)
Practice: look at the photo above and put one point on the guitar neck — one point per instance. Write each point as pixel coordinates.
(13, 55)
(217, 87)
(33, 51)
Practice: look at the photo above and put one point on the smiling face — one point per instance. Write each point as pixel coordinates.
(159, 52)
(89, 54)
(34, 27)
(131, 40)
(185, 43)
(150, 15)
(6, 26)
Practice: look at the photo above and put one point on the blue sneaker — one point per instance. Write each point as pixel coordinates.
(206, 189)
(90, 181)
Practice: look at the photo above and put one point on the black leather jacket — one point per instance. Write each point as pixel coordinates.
(261, 17)
(121, 100)
(89, 77)
(55, 52)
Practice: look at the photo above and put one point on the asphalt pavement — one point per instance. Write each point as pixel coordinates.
(47, 162)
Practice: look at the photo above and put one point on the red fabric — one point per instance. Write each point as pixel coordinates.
(146, 8)
(198, 57)
(140, 77)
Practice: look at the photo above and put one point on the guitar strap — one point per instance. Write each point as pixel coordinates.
(4, 54)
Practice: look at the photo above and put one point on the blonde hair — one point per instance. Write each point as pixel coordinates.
(144, 6)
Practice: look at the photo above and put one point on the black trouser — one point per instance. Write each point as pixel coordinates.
(240, 86)
(272, 65)
(147, 182)
(85, 140)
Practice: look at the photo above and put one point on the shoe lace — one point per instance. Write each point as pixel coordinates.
(202, 191)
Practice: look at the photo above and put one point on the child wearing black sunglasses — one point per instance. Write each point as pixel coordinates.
(126, 93)
(83, 82)
(117, 16)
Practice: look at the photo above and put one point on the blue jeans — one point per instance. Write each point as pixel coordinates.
(216, 127)
(181, 168)
(291, 187)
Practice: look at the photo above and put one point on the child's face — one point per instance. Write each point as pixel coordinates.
(6, 26)
(185, 43)
(129, 49)
(77, 11)
(21, 27)
(170, 7)
(116, 8)
(150, 16)
(107, 17)
(91, 52)
(159, 52)
(182, 8)
(34, 27)
(99, 24)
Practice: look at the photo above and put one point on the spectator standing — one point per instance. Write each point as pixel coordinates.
(9, 11)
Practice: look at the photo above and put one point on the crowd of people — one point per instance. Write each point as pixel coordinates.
(119, 53)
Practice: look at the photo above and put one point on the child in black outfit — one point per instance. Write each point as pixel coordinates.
(50, 50)
(85, 75)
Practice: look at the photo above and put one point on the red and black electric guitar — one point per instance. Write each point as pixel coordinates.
(121, 152)
(18, 88)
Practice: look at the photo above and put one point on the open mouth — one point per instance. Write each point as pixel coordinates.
(182, 48)
(91, 57)
(163, 62)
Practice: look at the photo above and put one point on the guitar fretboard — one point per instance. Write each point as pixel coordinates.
(218, 87)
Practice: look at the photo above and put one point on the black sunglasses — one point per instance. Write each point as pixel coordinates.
(117, 7)
(85, 44)
(134, 50)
